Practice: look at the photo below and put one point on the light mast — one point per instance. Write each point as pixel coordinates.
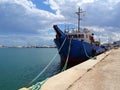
(78, 13)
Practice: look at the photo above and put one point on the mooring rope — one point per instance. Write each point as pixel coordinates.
(65, 66)
(48, 64)
(38, 85)
(86, 52)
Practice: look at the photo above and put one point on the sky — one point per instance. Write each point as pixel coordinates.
(30, 22)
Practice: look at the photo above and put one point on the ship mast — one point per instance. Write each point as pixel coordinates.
(78, 13)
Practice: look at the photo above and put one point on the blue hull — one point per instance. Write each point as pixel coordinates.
(75, 50)
(79, 51)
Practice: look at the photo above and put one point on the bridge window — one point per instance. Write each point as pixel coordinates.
(81, 35)
(76, 36)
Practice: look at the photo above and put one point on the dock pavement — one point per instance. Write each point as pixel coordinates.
(104, 76)
(102, 73)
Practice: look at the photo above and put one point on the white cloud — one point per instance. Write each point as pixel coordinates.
(23, 17)
(19, 17)
(99, 17)
(23, 40)
(105, 34)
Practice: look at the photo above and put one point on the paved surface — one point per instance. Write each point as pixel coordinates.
(100, 74)
(66, 79)
(103, 76)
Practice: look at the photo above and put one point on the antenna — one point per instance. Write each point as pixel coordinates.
(78, 13)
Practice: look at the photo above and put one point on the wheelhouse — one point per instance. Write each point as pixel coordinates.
(84, 35)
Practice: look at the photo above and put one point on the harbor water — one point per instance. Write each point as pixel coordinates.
(18, 66)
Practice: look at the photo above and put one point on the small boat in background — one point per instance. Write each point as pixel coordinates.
(77, 45)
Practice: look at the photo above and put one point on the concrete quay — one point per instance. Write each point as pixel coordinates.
(102, 73)
(103, 76)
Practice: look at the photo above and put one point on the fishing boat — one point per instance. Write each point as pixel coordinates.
(76, 45)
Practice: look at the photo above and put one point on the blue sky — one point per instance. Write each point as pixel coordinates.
(29, 22)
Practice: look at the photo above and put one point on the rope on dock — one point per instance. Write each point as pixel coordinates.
(65, 66)
(38, 85)
(46, 66)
